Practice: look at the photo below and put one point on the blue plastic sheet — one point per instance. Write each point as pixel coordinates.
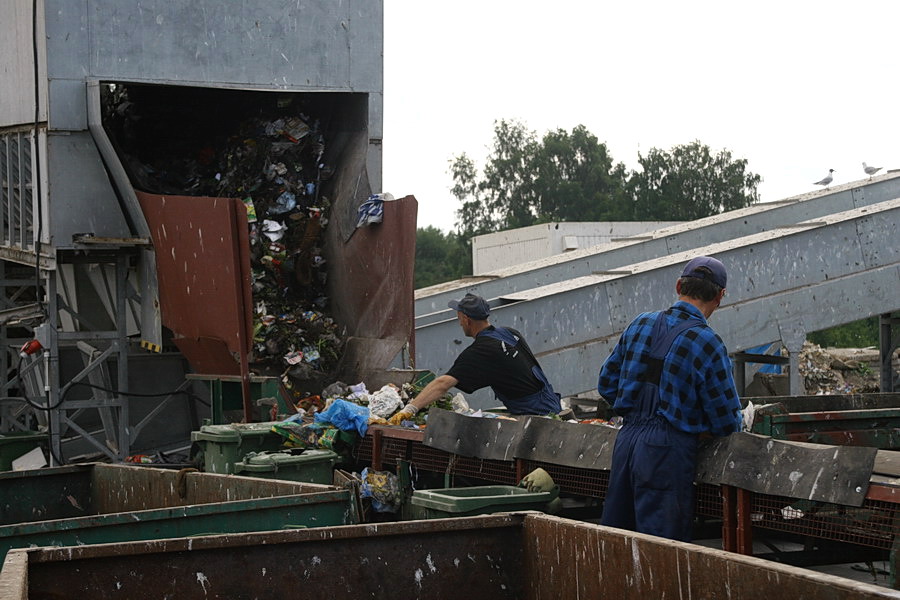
(346, 416)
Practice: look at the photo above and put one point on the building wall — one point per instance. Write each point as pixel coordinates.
(277, 45)
(17, 63)
(495, 251)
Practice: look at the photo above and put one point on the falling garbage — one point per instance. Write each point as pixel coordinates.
(271, 155)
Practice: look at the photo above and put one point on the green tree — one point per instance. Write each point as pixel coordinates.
(561, 177)
(502, 197)
(571, 176)
(440, 257)
(690, 182)
(575, 178)
(859, 334)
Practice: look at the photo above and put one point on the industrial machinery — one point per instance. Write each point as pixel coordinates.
(130, 259)
(800, 265)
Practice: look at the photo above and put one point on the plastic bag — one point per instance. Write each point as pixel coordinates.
(385, 401)
(346, 416)
(383, 488)
(747, 415)
(359, 393)
(459, 404)
(299, 434)
(372, 210)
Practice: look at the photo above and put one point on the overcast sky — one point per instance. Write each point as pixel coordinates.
(796, 88)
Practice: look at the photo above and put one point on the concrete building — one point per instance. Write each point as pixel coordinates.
(494, 251)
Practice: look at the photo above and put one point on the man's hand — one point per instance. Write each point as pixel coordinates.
(408, 412)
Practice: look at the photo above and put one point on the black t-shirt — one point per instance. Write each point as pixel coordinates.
(489, 362)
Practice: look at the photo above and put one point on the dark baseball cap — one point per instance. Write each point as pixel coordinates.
(708, 268)
(474, 307)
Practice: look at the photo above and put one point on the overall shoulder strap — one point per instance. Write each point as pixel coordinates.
(504, 335)
(662, 338)
(662, 343)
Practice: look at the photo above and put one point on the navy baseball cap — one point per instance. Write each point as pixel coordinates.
(474, 307)
(708, 268)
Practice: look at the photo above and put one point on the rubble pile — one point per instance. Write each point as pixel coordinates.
(838, 370)
(273, 157)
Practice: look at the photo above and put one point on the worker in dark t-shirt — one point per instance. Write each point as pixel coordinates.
(499, 358)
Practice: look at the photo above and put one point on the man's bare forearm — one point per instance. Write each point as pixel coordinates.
(434, 391)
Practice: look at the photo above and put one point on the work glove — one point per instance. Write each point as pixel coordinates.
(538, 480)
(408, 412)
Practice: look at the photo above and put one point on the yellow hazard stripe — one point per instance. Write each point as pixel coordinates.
(150, 346)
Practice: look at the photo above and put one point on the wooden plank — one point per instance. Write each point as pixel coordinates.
(14, 576)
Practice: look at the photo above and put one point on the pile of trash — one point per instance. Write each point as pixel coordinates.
(839, 370)
(272, 156)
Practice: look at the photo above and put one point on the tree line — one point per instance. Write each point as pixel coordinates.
(571, 176)
(568, 176)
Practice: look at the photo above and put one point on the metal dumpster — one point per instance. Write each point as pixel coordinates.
(845, 420)
(100, 503)
(14, 444)
(495, 557)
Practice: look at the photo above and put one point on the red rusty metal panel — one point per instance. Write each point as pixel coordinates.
(203, 269)
(208, 355)
(370, 281)
(569, 559)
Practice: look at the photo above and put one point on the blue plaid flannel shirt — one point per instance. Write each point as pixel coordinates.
(696, 387)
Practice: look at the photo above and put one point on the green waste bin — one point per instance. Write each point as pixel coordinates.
(224, 445)
(312, 466)
(14, 444)
(476, 500)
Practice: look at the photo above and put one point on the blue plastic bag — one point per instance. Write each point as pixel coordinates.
(346, 416)
(371, 211)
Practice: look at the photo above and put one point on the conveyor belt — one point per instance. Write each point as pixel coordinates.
(659, 243)
(783, 283)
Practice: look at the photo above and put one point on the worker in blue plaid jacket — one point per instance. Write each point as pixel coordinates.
(670, 379)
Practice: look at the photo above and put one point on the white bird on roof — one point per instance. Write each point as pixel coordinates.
(826, 180)
(870, 170)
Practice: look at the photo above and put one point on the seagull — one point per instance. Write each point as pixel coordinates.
(870, 170)
(826, 180)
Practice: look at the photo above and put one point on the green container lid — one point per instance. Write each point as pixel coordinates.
(270, 461)
(225, 445)
(312, 466)
(478, 498)
(232, 432)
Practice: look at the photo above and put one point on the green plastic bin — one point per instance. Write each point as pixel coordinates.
(312, 466)
(224, 445)
(476, 500)
(17, 443)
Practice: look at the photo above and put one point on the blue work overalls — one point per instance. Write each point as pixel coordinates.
(543, 402)
(651, 480)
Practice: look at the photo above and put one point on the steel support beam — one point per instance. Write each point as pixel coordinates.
(783, 284)
(431, 302)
